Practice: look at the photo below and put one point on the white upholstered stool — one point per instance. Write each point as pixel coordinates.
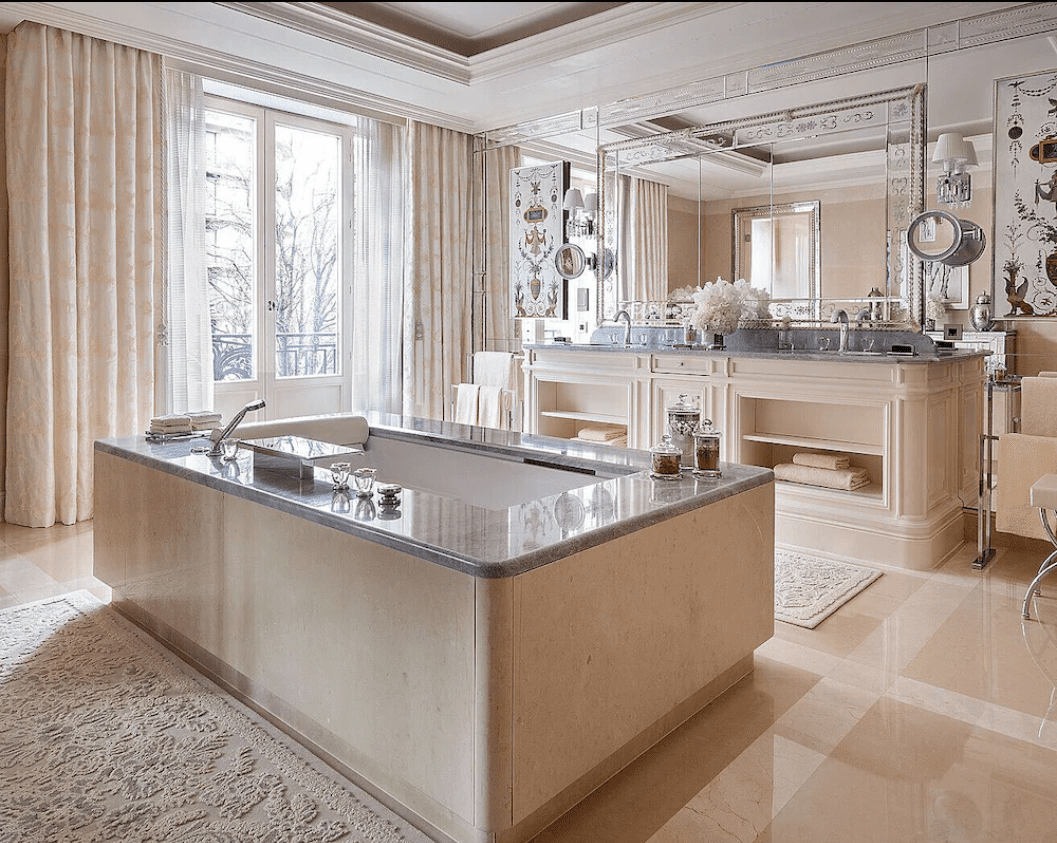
(1044, 496)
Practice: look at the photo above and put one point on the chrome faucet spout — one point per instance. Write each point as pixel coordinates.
(623, 314)
(840, 316)
(235, 422)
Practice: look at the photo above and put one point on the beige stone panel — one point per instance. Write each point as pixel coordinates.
(610, 640)
(375, 646)
(1036, 340)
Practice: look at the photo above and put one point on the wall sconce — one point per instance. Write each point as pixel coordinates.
(954, 186)
(581, 221)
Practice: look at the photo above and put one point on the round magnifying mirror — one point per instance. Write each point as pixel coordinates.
(940, 236)
(570, 261)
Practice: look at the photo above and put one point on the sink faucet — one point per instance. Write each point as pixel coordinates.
(235, 421)
(840, 316)
(623, 314)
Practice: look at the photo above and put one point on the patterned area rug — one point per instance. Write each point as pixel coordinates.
(807, 590)
(106, 736)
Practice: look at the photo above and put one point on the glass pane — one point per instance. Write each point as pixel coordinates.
(230, 237)
(307, 167)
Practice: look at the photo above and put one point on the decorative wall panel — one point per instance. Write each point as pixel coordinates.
(536, 231)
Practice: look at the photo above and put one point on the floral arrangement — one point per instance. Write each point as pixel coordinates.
(720, 305)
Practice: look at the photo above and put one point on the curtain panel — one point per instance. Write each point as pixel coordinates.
(500, 328)
(83, 129)
(644, 239)
(438, 322)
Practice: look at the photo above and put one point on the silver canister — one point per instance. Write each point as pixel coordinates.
(683, 419)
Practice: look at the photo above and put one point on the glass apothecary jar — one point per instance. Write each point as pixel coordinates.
(683, 419)
(706, 450)
(665, 459)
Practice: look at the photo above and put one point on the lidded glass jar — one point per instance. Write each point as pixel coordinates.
(706, 450)
(683, 419)
(665, 458)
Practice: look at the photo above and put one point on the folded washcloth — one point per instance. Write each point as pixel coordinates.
(172, 423)
(834, 461)
(601, 434)
(847, 479)
(204, 420)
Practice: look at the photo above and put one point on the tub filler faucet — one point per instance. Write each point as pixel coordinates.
(840, 316)
(623, 314)
(215, 451)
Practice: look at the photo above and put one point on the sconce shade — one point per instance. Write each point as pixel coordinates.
(573, 199)
(952, 149)
(591, 203)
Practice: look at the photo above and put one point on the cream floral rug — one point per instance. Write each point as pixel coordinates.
(105, 736)
(807, 589)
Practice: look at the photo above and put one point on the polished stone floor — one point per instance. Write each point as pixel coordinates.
(922, 710)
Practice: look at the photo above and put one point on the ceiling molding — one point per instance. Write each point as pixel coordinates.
(203, 60)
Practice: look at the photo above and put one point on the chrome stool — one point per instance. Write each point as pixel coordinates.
(1044, 496)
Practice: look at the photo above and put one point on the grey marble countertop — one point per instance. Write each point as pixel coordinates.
(817, 356)
(454, 533)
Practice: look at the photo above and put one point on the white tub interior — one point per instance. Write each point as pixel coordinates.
(478, 478)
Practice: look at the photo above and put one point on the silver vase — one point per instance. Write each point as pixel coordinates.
(982, 314)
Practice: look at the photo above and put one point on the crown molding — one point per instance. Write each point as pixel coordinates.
(203, 60)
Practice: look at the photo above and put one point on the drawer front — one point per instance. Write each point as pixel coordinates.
(687, 364)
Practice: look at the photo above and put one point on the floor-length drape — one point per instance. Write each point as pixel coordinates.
(438, 327)
(644, 240)
(189, 339)
(499, 325)
(82, 134)
(379, 268)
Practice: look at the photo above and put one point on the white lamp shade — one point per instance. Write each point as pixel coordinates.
(970, 154)
(573, 199)
(951, 148)
(591, 202)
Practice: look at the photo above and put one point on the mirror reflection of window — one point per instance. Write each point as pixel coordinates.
(776, 249)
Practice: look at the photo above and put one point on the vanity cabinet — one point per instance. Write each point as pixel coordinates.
(912, 423)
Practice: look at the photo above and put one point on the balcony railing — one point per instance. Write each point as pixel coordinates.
(296, 355)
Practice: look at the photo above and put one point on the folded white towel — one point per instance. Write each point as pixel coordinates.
(494, 368)
(490, 406)
(171, 423)
(847, 479)
(601, 433)
(834, 461)
(619, 442)
(466, 398)
(204, 420)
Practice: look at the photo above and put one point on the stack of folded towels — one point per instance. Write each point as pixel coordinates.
(613, 435)
(831, 471)
(176, 423)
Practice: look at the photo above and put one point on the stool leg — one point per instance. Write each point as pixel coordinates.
(1047, 566)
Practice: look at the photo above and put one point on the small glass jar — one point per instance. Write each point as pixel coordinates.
(706, 450)
(683, 419)
(665, 459)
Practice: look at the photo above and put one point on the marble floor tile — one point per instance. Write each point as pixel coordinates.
(923, 711)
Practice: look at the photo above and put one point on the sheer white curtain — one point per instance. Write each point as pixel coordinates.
(379, 270)
(643, 257)
(188, 349)
(437, 328)
(500, 328)
(83, 134)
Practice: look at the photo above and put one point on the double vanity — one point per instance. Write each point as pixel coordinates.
(532, 615)
(912, 421)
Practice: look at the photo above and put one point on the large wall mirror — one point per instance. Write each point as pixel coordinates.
(803, 203)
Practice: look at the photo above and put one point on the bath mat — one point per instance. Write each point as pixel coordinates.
(106, 736)
(807, 589)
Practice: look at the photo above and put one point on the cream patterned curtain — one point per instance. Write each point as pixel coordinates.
(644, 240)
(83, 131)
(437, 333)
(500, 328)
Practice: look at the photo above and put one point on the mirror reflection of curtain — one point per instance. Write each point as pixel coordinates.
(781, 255)
(438, 334)
(379, 268)
(188, 354)
(643, 259)
(84, 130)
(499, 326)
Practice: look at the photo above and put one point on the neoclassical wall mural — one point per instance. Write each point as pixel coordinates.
(536, 232)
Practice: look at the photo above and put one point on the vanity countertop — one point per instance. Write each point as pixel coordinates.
(815, 356)
(451, 532)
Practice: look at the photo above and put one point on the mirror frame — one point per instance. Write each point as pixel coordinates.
(742, 216)
(901, 111)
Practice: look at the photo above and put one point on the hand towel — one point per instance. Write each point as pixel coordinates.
(832, 461)
(204, 420)
(601, 433)
(847, 479)
(494, 368)
(171, 423)
(466, 397)
(490, 406)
